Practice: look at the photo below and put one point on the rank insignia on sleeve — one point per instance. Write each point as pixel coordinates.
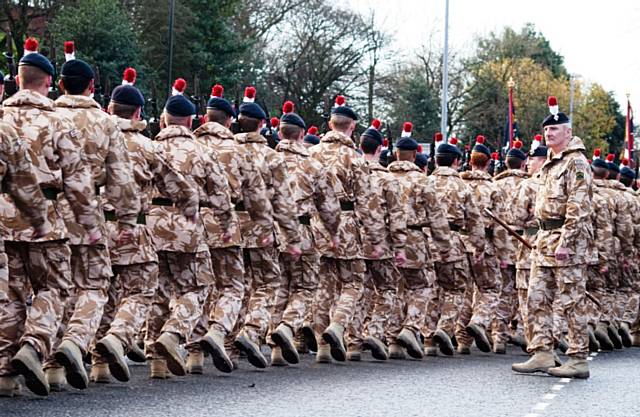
(580, 175)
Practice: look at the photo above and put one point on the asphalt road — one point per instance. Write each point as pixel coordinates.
(476, 385)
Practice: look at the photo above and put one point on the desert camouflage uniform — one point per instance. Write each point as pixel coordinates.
(262, 269)
(507, 309)
(345, 265)
(564, 196)
(183, 253)
(42, 265)
(314, 195)
(379, 299)
(423, 211)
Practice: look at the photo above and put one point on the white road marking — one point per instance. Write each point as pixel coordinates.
(540, 406)
(565, 380)
(549, 396)
(557, 387)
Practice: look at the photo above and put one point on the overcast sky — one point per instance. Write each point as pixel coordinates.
(600, 40)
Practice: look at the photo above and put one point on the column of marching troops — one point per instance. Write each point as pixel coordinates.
(205, 243)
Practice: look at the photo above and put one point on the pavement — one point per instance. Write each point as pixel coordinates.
(477, 385)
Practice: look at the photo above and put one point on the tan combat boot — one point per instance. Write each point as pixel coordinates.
(377, 348)
(309, 337)
(27, 363)
(252, 350)
(499, 348)
(10, 386)
(195, 362)
(56, 378)
(541, 361)
(282, 336)
(625, 335)
(276, 357)
(635, 340)
(463, 350)
(167, 346)
(408, 340)
(612, 331)
(573, 368)
(333, 335)
(213, 343)
(594, 345)
(110, 348)
(136, 353)
(479, 335)
(158, 369)
(301, 346)
(70, 356)
(444, 342)
(100, 373)
(397, 352)
(324, 354)
(602, 335)
(354, 354)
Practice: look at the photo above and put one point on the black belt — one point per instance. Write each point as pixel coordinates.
(551, 224)
(415, 227)
(97, 189)
(347, 205)
(305, 219)
(161, 201)
(488, 233)
(454, 227)
(51, 193)
(240, 206)
(531, 231)
(110, 216)
(205, 204)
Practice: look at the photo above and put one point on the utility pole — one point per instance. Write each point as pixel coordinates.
(445, 75)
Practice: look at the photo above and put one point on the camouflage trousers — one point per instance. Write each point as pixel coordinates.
(522, 287)
(453, 281)
(184, 282)
(130, 295)
(628, 295)
(263, 270)
(507, 307)
(568, 285)
(294, 298)
(325, 297)
(596, 285)
(41, 269)
(480, 300)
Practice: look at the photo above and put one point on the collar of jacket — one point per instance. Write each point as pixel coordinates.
(128, 125)
(175, 131)
(334, 136)
(446, 172)
(402, 166)
(29, 98)
(77, 102)
(616, 185)
(214, 129)
(476, 175)
(511, 173)
(375, 166)
(251, 137)
(292, 146)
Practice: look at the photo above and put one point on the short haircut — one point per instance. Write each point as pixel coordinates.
(369, 145)
(176, 120)
(75, 85)
(218, 116)
(514, 163)
(31, 77)
(405, 155)
(599, 173)
(446, 159)
(289, 131)
(248, 124)
(479, 159)
(340, 122)
(626, 181)
(125, 111)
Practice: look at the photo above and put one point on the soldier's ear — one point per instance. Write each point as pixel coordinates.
(61, 85)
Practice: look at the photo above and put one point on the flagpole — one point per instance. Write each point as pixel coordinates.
(445, 75)
(628, 132)
(511, 84)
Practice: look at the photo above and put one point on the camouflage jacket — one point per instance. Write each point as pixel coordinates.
(487, 196)
(603, 229)
(423, 211)
(337, 153)
(565, 194)
(171, 229)
(313, 192)
(247, 187)
(461, 211)
(150, 169)
(522, 217)
(506, 183)
(635, 216)
(104, 150)
(624, 226)
(274, 173)
(615, 204)
(60, 165)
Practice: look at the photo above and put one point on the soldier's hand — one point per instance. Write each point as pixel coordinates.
(125, 235)
(335, 242)
(267, 241)
(294, 251)
(42, 230)
(604, 269)
(504, 264)
(377, 252)
(194, 218)
(226, 237)
(401, 258)
(562, 254)
(478, 259)
(94, 235)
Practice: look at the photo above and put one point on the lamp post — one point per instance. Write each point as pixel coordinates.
(172, 8)
(445, 74)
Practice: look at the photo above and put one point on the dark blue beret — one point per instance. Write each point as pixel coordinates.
(613, 167)
(312, 139)
(35, 59)
(421, 160)
(558, 119)
(599, 163)
(127, 94)
(627, 172)
(345, 111)
(481, 148)
(447, 148)
(516, 153)
(252, 110)
(293, 119)
(77, 68)
(407, 144)
(223, 104)
(374, 134)
(539, 151)
(180, 106)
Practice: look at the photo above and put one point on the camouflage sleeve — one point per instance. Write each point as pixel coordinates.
(327, 202)
(397, 213)
(78, 184)
(636, 212)
(255, 197)
(19, 180)
(438, 224)
(364, 197)
(284, 210)
(121, 189)
(171, 183)
(475, 224)
(603, 228)
(501, 239)
(219, 193)
(578, 207)
(624, 224)
(520, 211)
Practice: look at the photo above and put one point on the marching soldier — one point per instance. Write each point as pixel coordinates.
(563, 210)
(42, 264)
